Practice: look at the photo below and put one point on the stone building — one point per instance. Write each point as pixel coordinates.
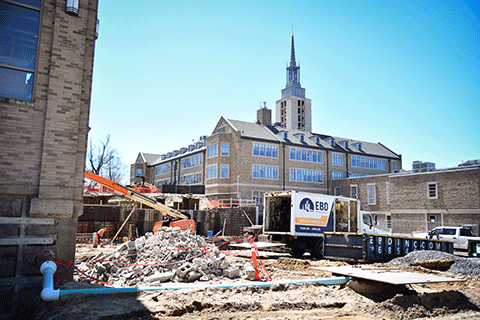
(244, 159)
(46, 65)
(409, 202)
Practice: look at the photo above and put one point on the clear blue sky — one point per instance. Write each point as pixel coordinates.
(403, 73)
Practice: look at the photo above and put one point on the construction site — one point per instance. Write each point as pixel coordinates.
(133, 261)
(75, 245)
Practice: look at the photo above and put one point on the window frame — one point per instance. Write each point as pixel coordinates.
(374, 202)
(428, 190)
(225, 149)
(222, 168)
(33, 71)
(354, 187)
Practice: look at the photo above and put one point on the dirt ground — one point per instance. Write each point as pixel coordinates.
(455, 300)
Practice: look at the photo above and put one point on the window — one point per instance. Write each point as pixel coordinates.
(389, 222)
(139, 172)
(258, 196)
(353, 192)
(371, 194)
(162, 169)
(222, 129)
(192, 161)
(265, 172)
(212, 151)
(369, 163)
(305, 155)
(337, 191)
(194, 178)
(224, 173)
(162, 182)
(305, 175)
(337, 159)
(433, 219)
(225, 149)
(19, 27)
(388, 192)
(264, 150)
(132, 173)
(211, 172)
(337, 175)
(432, 190)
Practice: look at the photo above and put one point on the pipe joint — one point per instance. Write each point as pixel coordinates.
(50, 294)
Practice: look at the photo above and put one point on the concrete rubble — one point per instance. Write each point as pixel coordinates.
(170, 255)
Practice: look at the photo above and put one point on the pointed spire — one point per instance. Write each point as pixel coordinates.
(292, 55)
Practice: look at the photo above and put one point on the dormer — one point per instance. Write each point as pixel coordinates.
(198, 145)
(316, 139)
(300, 137)
(176, 153)
(331, 142)
(344, 144)
(357, 145)
(183, 150)
(169, 155)
(191, 147)
(163, 156)
(283, 134)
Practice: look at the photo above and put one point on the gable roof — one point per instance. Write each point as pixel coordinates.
(258, 131)
(149, 158)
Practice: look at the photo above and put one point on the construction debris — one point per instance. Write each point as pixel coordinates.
(168, 255)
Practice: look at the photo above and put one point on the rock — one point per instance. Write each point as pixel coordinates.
(232, 273)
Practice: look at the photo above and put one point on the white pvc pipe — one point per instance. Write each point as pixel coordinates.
(51, 294)
(48, 268)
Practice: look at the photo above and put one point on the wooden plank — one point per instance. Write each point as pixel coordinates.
(387, 275)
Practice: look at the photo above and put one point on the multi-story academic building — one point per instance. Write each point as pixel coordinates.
(245, 159)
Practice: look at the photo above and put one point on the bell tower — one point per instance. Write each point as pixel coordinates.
(293, 110)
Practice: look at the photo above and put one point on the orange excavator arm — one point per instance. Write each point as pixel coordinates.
(132, 194)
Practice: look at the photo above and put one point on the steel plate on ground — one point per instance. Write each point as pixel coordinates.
(387, 275)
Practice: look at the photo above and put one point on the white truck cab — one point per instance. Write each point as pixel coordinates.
(368, 224)
(459, 235)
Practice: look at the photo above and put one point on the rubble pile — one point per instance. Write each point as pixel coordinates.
(168, 255)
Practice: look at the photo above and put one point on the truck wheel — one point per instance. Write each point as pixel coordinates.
(317, 249)
(297, 250)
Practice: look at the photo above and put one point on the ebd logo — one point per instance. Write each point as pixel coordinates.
(318, 206)
(307, 205)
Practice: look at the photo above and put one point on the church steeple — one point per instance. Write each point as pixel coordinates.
(293, 87)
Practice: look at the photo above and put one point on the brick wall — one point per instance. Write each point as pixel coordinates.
(43, 149)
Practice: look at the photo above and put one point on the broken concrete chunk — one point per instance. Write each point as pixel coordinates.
(232, 273)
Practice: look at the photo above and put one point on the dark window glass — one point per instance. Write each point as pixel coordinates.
(18, 36)
(32, 3)
(16, 84)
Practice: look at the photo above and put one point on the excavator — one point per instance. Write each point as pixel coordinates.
(180, 219)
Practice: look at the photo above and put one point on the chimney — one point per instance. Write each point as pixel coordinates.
(264, 115)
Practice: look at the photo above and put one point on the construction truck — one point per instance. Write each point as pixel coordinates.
(334, 227)
(180, 219)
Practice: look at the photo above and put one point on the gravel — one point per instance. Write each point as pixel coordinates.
(461, 266)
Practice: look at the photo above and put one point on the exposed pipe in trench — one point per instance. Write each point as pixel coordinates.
(48, 268)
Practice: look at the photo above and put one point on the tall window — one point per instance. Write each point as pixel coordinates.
(353, 192)
(225, 149)
(336, 191)
(337, 159)
(19, 25)
(371, 194)
(432, 190)
(388, 192)
(139, 172)
(212, 151)
(211, 172)
(192, 161)
(389, 222)
(224, 173)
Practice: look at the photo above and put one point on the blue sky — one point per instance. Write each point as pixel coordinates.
(403, 73)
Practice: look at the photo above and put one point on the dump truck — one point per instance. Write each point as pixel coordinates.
(334, 227)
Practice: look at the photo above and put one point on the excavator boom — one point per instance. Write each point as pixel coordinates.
(132, 194)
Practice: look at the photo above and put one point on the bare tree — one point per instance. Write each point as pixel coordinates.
(104, 160)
